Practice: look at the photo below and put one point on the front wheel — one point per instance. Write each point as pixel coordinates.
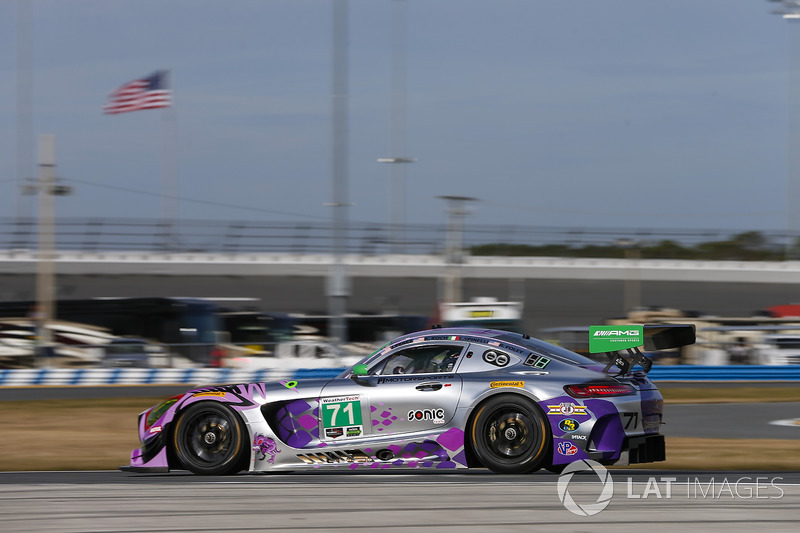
(509, 435)
(208, 439)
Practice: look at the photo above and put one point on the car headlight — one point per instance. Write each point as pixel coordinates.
(159, 410)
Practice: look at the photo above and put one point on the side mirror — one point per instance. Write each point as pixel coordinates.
(359, 370)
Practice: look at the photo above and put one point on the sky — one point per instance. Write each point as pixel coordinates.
(589, 113)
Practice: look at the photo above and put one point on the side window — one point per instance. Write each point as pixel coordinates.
(486, 358)
(420, 360)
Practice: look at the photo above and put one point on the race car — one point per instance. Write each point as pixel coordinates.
(443, 399)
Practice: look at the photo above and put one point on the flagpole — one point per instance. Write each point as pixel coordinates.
(169, 168)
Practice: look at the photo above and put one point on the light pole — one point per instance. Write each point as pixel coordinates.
(397, 201)
(397, 171)
(454, 245)
(790, 10)
(338, 289)
(632, 292)
(45, 266)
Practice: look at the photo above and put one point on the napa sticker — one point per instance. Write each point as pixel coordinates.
(613, 338)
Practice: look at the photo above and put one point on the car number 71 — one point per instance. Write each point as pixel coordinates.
(631, 420)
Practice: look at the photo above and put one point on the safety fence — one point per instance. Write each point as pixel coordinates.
(152, 376)
(207, 376)
(314, 237)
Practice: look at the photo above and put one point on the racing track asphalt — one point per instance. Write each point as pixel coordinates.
(348, 501)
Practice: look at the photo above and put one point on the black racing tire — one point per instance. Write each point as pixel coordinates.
(208, 439)
(509, 435)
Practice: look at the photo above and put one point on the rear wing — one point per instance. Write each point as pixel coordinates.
(613, 340)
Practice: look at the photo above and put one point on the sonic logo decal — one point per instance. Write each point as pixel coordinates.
(436, 415)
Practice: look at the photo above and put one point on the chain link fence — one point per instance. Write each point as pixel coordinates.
(204, 236)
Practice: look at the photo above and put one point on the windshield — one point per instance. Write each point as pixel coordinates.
(364, 360)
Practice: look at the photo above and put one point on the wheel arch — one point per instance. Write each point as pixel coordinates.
(245, 458)
(472, 459)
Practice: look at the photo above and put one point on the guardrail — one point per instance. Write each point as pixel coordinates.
(310, 237)
(208, 376)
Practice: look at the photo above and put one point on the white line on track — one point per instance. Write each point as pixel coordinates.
(791, 422)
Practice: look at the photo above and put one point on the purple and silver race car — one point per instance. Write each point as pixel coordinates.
(451, 398)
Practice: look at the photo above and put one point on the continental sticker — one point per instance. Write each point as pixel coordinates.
(218, 394)
(498, 384)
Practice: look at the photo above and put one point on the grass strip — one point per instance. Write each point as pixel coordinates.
(745, 394)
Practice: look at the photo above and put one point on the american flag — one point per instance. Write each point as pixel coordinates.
(144, 93)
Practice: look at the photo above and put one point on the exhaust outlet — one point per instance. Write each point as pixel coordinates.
(384, 455)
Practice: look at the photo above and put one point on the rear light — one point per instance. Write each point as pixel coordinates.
(599, 390)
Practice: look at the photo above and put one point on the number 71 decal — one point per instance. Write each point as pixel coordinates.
(631, 420)
(341, 416)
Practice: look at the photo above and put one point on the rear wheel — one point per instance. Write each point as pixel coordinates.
(208, 439)
(509, 435)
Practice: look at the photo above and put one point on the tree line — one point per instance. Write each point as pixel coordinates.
(747, 246)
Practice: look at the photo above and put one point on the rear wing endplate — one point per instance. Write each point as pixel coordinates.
(614, 340)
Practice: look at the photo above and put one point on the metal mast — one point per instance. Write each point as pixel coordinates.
(338, 284)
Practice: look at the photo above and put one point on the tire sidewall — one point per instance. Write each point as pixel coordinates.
(482, 418)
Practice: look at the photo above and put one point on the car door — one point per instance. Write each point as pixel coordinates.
(410, 389)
